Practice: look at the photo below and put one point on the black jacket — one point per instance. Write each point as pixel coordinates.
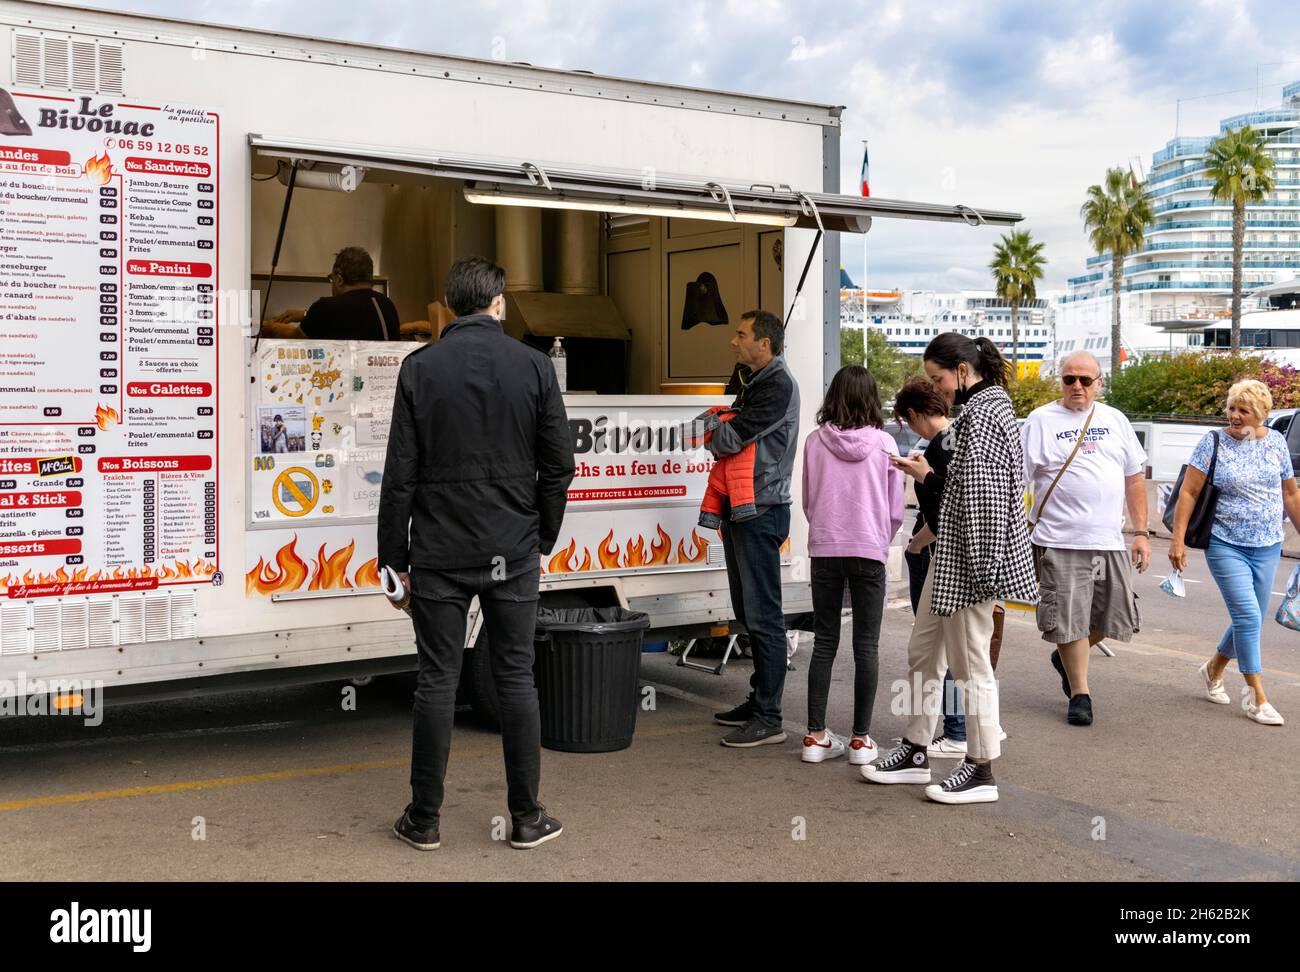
(480, 456)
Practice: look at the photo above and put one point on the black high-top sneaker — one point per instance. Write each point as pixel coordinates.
(906, 764)
(421, 838)
(970, 783)
(535, 831)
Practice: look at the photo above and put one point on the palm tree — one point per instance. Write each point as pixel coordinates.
(1243, 173)
(1116, 217)
(1017, 264)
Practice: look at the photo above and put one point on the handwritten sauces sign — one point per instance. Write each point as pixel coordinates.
(108, 346)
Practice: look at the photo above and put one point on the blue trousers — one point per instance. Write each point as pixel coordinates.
(1245, 579)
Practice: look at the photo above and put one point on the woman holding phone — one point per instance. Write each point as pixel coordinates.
(981, 556)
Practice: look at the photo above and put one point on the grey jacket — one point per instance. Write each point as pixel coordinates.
(768, 403)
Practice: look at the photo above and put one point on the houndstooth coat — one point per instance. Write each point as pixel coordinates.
(983, 550)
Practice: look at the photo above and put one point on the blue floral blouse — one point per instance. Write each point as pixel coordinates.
(1249, 475)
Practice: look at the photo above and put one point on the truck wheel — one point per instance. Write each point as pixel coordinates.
(476, 679)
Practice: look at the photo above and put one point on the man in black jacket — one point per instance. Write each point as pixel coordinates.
(479, 464)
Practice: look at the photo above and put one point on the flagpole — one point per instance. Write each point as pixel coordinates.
(864, 271)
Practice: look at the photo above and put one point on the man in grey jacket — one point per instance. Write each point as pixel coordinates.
(768, 404)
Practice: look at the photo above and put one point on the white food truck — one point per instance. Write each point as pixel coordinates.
(187, 504)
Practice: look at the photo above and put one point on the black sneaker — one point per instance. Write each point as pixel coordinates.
(906, 764)
(1080, 711)
(738, 716)
(1060, 669)
(969, 783)
(754, 733)
(407, 832)
(535, 831)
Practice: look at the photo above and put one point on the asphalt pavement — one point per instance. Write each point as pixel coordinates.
(290, 784)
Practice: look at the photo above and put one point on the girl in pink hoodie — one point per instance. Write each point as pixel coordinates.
(853, 499)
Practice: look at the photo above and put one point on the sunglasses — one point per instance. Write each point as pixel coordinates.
(1084, 380)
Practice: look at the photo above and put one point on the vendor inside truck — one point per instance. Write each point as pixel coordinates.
(354, 312)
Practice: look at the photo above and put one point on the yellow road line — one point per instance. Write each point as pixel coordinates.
(271, 777)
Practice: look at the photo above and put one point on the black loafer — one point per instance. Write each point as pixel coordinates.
(1080, 711)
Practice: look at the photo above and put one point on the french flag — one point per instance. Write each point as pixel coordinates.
(866, 181)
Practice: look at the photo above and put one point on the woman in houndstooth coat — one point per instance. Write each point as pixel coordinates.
(982, 557)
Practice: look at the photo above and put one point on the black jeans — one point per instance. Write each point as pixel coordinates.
(439, 604)
(866, 580)
(753, 550)
(954, 718)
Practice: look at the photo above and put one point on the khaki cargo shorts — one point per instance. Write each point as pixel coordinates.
(1085, 591)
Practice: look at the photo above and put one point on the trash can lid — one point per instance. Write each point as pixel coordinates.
(594, 620)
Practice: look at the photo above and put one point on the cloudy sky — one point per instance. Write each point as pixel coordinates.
(1009, 104)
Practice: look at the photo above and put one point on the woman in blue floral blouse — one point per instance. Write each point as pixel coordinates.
(1256, 483)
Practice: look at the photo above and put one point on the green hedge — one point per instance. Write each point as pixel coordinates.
(1195, 383)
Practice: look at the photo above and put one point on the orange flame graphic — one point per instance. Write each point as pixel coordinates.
(367, 574)
(105, 418)
(636, 553)
(286, 574)
(699, 548)
(608, 552)
(178, 571)
(661, 548)
(562, 562)
(331, 573)
(98, 169)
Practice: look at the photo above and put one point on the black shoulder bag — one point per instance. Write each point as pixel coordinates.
(1202, 518)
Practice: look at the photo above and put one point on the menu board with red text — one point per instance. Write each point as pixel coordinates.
(108, 346)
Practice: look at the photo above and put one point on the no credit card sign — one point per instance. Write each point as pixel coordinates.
(295, 492)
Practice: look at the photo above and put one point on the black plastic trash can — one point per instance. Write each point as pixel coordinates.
(588, 677)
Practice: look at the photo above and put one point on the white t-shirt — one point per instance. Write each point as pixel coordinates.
(1086, 510)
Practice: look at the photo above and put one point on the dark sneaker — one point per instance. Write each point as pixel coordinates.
(754, 733)
(969, 783)
(407, 832)
(535, 831)
(906, 764)
(1060, 670)
(1080, 711)
(738, 716)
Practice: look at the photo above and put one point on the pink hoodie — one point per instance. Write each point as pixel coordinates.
(852, 494)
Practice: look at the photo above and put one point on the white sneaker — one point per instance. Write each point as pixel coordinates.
(1264, 714)
(817, 752)
(944, 748)
(1214, 690)
(863, 751)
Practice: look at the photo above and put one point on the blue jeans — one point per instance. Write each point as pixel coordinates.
(1245, 579)
(954, 717)
(753, 551)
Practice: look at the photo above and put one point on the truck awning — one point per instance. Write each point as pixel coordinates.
(531, 184)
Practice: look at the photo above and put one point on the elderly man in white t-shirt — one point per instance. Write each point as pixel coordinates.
(1083, 568)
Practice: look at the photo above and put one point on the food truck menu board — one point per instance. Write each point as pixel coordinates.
(108, 346)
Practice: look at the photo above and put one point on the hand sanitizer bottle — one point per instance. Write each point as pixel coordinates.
(560, 360)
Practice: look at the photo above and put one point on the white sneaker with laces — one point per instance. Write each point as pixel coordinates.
(1264, 714)
(863, 751)
(944, 748)
(818, 751)
(1214, 690)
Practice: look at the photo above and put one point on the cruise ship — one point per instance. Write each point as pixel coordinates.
(1180, 282)
(909, 319)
